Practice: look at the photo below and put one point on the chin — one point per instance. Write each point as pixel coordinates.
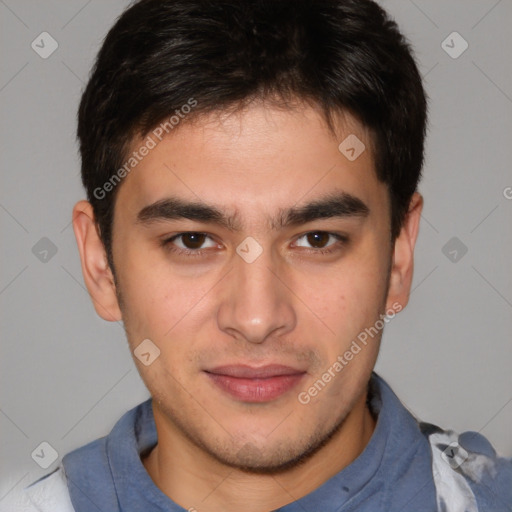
(278, 456)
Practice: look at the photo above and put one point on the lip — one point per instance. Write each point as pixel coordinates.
(255, 384)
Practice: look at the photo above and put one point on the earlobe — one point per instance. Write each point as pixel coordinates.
(96, 271)
(403, 255)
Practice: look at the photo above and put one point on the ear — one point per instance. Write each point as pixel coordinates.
(403, 255)
(97, 274)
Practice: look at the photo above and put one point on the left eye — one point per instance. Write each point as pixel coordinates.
(318, 240)
(192, 241)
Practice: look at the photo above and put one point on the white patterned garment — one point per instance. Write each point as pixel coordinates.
(459, 464)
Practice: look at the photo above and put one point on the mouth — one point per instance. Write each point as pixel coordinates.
(255, 384)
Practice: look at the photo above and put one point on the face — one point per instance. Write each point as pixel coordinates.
(253, 253)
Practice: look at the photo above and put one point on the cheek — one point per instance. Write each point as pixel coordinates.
(349, 296)
(149, 292)
(350, 304)
(165, 307)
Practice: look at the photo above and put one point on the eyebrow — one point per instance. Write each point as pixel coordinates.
(334, 205)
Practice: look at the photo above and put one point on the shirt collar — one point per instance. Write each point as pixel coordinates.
(135, 434)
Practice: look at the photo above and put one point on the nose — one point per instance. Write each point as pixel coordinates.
(256, 302)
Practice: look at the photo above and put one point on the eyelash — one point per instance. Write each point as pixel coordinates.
(168, 243)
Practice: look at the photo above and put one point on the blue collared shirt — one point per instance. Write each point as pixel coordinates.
(393, 473)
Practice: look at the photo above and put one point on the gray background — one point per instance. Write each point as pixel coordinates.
(67, 376)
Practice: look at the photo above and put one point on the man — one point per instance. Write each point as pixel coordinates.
(251, 170)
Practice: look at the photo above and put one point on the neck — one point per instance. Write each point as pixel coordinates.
(196, 481)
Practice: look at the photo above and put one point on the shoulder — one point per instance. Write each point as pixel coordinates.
(468, 473)
(48, 494)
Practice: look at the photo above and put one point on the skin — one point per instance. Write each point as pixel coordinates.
(293, 305)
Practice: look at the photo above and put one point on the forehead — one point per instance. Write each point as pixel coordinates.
(258, 159)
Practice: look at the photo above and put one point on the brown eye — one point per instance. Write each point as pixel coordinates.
(193, 240)
(318, 239)
(190, 242)
(321, 241)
